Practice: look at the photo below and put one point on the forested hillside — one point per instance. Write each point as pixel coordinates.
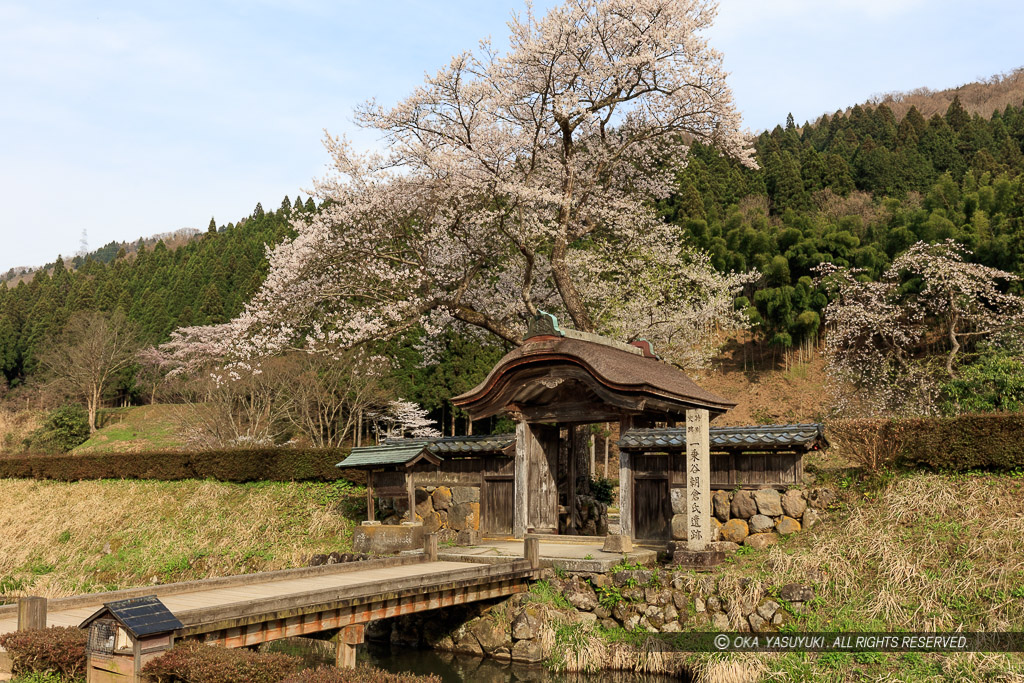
(855, 189)
(204, 280)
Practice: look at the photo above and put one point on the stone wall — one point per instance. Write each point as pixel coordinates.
(443, 510)
(522, 628)
(756, 518)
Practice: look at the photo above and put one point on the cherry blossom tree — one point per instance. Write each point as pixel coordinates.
(404, 419)
(880, 335)
(514, 181)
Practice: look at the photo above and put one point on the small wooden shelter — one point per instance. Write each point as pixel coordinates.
(389, 469)
(126, 634)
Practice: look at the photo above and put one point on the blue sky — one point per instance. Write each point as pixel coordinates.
(132, 118)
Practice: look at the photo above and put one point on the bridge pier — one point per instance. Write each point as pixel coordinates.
(348, 639)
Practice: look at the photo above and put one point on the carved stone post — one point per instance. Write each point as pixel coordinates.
(697, 554)
(698, 480)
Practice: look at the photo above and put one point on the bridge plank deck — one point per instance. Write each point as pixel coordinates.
(354, 581)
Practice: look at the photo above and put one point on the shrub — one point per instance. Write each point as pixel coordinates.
(602, 489)
(58, 649)
(192, 662)
(360, 675)
(871, 443)
(269, 464)
(994, 382)
(965, 442)
(64, 428)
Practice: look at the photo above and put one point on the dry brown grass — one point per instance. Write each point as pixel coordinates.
(66, 538)
(926, 553)
(15, 425)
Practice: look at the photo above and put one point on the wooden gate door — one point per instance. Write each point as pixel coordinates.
(652, 506)
(497, 506)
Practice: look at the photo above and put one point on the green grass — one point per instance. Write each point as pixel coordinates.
(68, 538)
(48, 677)
(137, 429)
(544, 593)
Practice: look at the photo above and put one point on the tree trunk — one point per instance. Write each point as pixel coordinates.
(92, 404)
(954, 344)
(567, 288)
(581, 456)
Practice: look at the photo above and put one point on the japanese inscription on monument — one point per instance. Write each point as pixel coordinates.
(698, 480)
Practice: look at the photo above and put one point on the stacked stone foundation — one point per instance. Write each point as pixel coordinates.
(442, 510)
(755, 518)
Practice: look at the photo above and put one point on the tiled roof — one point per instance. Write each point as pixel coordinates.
(807, 436)
(491, 443)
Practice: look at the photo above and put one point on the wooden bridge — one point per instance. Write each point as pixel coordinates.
(240, 611)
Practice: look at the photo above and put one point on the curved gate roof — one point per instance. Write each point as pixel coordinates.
(568, 376)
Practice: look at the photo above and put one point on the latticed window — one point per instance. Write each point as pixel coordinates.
(102, 635)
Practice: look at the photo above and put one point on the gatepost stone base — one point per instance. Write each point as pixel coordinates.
(697, 560)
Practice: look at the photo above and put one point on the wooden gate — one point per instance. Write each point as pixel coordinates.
(652, 506)
(497, 506)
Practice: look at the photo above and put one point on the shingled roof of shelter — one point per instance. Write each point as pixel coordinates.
(806, 436)
(397, 452)
(141, 617)
(620, 367)
(403, 451)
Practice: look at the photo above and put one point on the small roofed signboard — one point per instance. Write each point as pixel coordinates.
(124, 635)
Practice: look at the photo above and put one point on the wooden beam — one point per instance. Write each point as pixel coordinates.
(369, 496)
(412, 496)
(348, 638)
(430, 547)
(625, 484)
(570, 497)
(531, 551)
(521, 492)
(607, 442)
(31, 613)
(594, 412)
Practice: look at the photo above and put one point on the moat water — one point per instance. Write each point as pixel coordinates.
(455, 668)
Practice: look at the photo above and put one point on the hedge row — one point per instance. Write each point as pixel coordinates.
(193, 662)
(964, 442)
(59, 649)
(281, 464)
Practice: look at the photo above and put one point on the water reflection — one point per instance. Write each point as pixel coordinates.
(453, 668)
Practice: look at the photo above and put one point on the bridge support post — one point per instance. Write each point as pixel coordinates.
(348, 638)
(531, 551)
(31, 613)
(430, 547)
